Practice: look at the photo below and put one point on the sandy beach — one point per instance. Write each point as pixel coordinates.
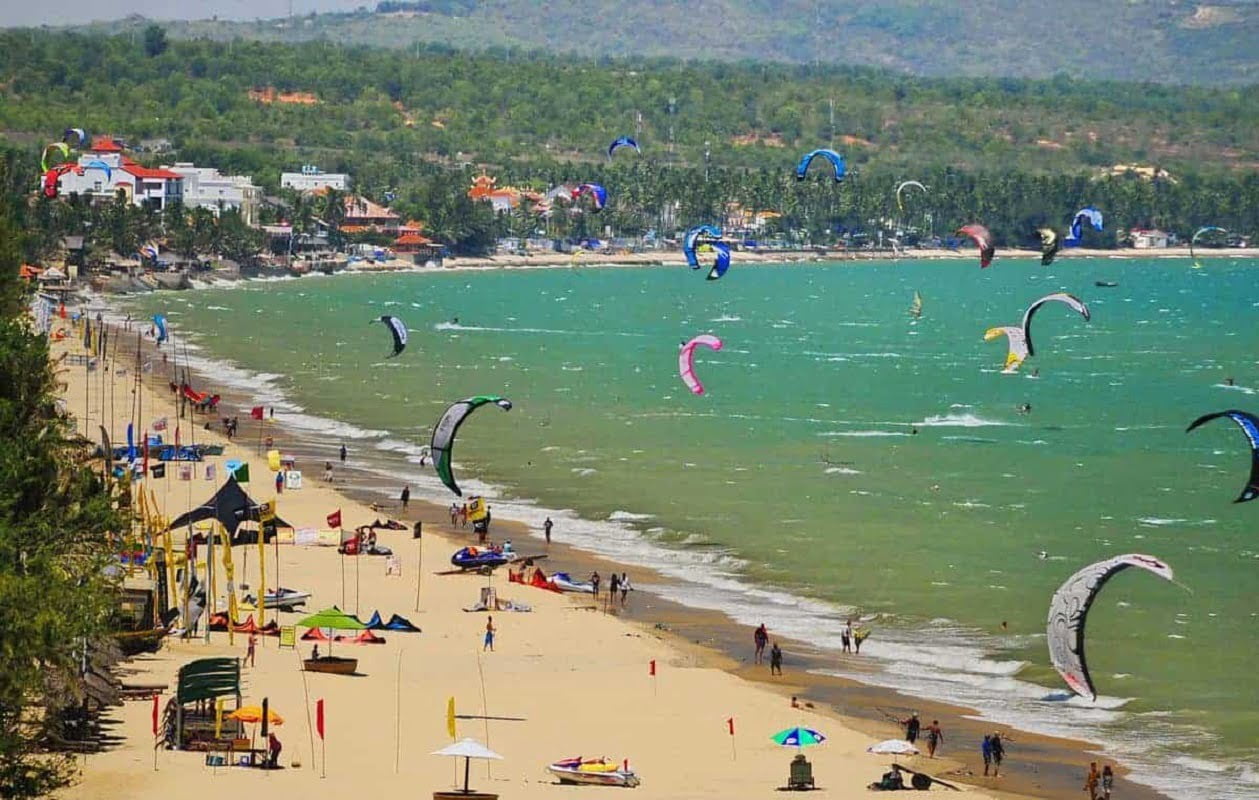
(580, 677)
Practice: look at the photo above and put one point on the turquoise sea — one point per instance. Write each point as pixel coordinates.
(796, 491)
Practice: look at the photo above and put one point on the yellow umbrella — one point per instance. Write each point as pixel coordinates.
(254, 714)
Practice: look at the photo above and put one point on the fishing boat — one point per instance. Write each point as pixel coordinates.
(565, 583)
(598, 771)
(331, 664)
(480, 558)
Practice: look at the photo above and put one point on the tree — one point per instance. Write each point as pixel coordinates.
(155, 41)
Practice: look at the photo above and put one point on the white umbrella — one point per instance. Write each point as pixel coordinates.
(468, 749)
(898, 747)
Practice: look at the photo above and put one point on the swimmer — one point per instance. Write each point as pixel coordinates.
(913, 431)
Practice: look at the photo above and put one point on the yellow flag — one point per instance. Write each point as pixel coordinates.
(273, 460)
(450, 718)
(218, 717)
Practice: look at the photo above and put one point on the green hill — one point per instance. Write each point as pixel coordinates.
(1165, 41)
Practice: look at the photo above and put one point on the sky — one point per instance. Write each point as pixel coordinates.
(74, 12)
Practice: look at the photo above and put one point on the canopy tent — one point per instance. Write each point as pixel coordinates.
(230, 505)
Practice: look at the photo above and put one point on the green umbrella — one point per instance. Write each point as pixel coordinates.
(334, 619)
(798, 737)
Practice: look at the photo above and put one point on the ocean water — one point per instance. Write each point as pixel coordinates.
(845, 460)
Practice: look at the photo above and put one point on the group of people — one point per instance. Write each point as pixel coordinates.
(459, 515)
(850, 639)
(617, 583)
(761, 638)
(1099, 784)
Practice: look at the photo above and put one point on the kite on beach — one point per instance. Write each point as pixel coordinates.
(398, 330)
(1249, 424)
(1020, 337)
(983, 240)
(686, 360)
(830, 156)
(1068, 612)
(443, 440)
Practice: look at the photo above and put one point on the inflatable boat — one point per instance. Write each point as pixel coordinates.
(480, 558)
(600, 771)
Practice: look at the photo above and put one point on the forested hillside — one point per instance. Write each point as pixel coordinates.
(1167, 41)
(418, 126)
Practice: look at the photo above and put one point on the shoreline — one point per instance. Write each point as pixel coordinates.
(1038, 765)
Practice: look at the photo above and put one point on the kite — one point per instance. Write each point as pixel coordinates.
(598, 195)
(1087, 214)
(983, 240)
(51, 178)
(55, 147)
(722, 261)
(835, 159)
(159, 324)
(904, 185)
(98, 164)
(444, 434)
(399, 332)
(686, 360)
(701, 234)
(622, 141)
(1050, 244)
(1249, 424)
(1020, 337)
(75, 136)
(1194, 240)
(1068, 611)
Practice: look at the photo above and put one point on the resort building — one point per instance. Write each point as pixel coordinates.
(312, 179)
(103, 170)
(205, 187)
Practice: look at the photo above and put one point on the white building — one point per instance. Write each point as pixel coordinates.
(1149, 239)
(311, 179)
(205, 187)
(103, 171)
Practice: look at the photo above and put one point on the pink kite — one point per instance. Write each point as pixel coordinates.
(686, 360)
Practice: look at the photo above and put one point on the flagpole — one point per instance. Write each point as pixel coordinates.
(397, 717)
(306, 692)
(419, 572)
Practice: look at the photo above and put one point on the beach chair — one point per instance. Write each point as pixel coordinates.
(801, 777)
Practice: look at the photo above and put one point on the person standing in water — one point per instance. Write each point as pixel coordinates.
(406, 496)
(343, 453)
(546, 528)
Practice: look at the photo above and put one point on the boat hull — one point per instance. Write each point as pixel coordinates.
(331, 665)
(572, 775)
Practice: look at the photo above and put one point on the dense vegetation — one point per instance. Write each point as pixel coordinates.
(1168, 41)
(55, 517)
(1012, 153)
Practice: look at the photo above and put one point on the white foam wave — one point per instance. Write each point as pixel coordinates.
(962, 421)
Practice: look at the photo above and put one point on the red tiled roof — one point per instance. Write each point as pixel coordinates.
(105, 144)
(27, 271)
(412, 238)
(145, 172)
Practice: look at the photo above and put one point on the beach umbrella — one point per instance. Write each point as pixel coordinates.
(467, 749)
(798, 737)
(898, 747)
(333, 619)
(253, 714)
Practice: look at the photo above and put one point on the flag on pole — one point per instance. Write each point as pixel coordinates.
(155, 715)
(256, 412)
(450, 718)
(159, 471)
(241, 473)
(651, 669)
(730, 725)
(319, 717)
(334, 519)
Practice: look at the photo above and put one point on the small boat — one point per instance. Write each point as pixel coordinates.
(565, 583)
(480, 558)
(331, 664)
(598, 771)
(1106, 284)
(283, 599)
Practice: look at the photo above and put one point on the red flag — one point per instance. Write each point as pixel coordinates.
(319, 717)
(146, 452)
(176, 437)
(334, 519)
(61, 312)
(651, 669)
(155, 715)
(730, 725)
(256, 412)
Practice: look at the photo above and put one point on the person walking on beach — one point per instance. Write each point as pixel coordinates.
(1108, 781)
(273, 751)
(1092, 781)
(594, 581)
(775, 660)
(859, 636)
(249, 650)
(463, 515)
(934, 737)
(489, 635)
(998, 753)
(986, 749)
(614, 586)
(406, 496)
(343, 453)
(454, 515)
(546, 528)
(625, 587)
(761, 638)
(911, 727)
(279, 483)
(845, 637)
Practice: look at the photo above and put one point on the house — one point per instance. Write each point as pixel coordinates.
(311, 179)
(1151, 239)
(103, 170)
(364, 216)
(206, 187)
